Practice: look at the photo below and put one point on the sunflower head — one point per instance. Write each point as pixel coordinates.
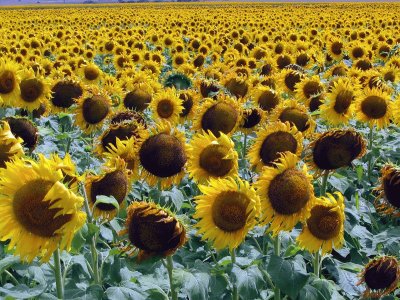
(296, 114)
(272, 141)
(138, 98)
(286, 193)
(227, 210)
(93, 108)
(338, 107)
(41, 213)
(335, 149)
(163, 156)
(9, 81)
(211, 157)
(64, 93)
(236, 84)
(154, 231)
(251, 119)
(10, 146)
(265, 97)
(25, 129)
(325, 226)
(113, 182)
(388, 200)
(166, 106)
(381, 276)
(128, 116)
(122, 131)
(178, 81)
(374, 106)
(219, 116)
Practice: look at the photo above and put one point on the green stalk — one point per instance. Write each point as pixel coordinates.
(95, 260)
(93, 249)
(324, 183)
(235, 294)
(244, 146)
(277, 252)
(12, 278)
(370, 148)
(316, 263)
(170, 267)
(58, 274)
(370, 137)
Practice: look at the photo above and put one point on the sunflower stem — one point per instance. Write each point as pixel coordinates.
(370, 137)
(58, 274)
(324, 184)
(317, 264)
(370, 148)
(12, 278)
(244, 146)
(170, 268)
(277, 252)
(235, 294)
(95, 261)
(93, 249)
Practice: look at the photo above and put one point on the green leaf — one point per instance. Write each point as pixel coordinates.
(248, 280)
(308, 292)
(22, 291)
(119, 293)
(102, 199)
(7, 262)
(287, 276)
(194, 284)
(78, 241)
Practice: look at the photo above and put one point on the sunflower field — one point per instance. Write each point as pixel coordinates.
(200, 151)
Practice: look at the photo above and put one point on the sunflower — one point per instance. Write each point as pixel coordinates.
(272, 141)
(218, 116)
(374, 106)
(252, 119)
(92, 110)
(337, 70)
(288, 78)
(228, 210)
(163, 156)
(265, 97)
(138, 96)
(390, 74)
(34, 90)
(90, 74)
(211, 157)
(122, 131)
(207, 87)
(381, 276)
(296, 114)
(325, 226)
(9, 81)
(335, 48)
(68, 168)
(308, 88)
(339, 104)
(190, 101)
(153, 230)
(286, 193)
(335, 149)
(166, 107)
(25, 129)
(39, 213)
(10, 146)
(396, 110)
(126, 150)
(388, 200)
(64, 94)
(113, 181)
